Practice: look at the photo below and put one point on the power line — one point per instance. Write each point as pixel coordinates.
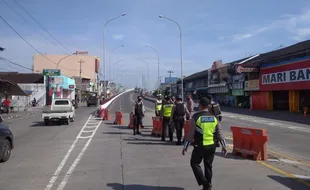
(4, 60)
(33, 18)
(27, 21)
(31, 44)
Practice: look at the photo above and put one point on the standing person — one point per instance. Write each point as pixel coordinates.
(177, 117)
(215, 109)
(190, 104)
(158, 105)
(138, 114)
(166, 115)
(173, 99)
(203, 127)
(7, 103)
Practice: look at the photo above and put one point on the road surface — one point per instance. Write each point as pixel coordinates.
(98, 155)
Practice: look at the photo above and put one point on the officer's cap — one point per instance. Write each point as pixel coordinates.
(204, 101)
(179, 97)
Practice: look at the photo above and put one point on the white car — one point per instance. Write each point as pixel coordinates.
(61, 109)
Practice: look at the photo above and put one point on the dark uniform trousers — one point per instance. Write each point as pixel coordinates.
(166, 121)
(138, 121)
(179, 125)
(205, 153)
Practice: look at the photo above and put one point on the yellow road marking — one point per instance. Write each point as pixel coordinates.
(227, 136)
(290, 158)
(287, 174)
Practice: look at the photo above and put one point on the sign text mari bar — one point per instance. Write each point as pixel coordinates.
(298, 75)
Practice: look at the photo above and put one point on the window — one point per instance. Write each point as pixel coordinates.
(61, 102)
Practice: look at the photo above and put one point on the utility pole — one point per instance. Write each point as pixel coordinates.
(80, 89)
(170, 72)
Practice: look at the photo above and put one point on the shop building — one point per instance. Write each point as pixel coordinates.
(284, 82)
(286, 85)
(196, 84)
(244, 80)
(219, 86)
(61, 87)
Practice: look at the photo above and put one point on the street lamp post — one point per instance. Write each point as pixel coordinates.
(148, 71)
(157, 60)
(181, 51)
(104, 51)
(119, 68)
(110, 65)
(64, 58)
(114, 68)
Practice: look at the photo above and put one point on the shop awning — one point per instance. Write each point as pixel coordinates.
(11, 88)
(202, 88)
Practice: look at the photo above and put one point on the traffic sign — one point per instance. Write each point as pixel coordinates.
(51, 72)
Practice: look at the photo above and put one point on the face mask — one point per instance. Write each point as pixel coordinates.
(139, 100)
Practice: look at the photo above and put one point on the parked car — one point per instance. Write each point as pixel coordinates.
(6, 142)
(92, 100)
(61, 109)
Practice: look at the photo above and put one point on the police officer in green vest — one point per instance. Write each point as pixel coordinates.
(204, 128)
(158, 105)
(166, 115)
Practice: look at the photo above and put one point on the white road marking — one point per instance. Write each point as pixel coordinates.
(302, 176)
(62, 163)
(288, 161)
(77, 160)
(273, 160)
(266, 122)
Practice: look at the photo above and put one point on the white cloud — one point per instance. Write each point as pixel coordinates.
(239, 37)
(118, 36)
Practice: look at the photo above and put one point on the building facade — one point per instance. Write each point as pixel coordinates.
(285, 85)
(69, 65)
(61, 87)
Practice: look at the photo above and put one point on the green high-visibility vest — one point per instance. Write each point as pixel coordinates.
(159, 105)
(167, 110)
(205, 126)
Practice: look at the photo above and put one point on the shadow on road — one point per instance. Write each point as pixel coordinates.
(41, 124)
(118, 186)
(114, 133)
(119, 127)
(229, 156)
(166, 143)
(276, 115)
(290, 183)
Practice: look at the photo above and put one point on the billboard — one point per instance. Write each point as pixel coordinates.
(170, 79)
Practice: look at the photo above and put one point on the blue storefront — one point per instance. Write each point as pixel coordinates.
(62, 87)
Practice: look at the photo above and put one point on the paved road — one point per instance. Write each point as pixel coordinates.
(288, 141)
(290, 137)
(38, 150)
(96, 155)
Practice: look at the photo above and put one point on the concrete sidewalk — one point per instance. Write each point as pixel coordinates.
(148, 163)
(18, 114)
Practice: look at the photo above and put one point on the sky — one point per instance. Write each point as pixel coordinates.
(211, 30)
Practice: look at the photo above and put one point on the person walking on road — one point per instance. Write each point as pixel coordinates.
(203, 128)
(166, 115)
(177, 117)
(190, 104)
(138, 114)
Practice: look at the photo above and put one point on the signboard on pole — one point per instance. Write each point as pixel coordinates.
(51, 72)
(170, 79)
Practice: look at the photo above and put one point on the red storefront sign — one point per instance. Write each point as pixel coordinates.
(290, 76)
